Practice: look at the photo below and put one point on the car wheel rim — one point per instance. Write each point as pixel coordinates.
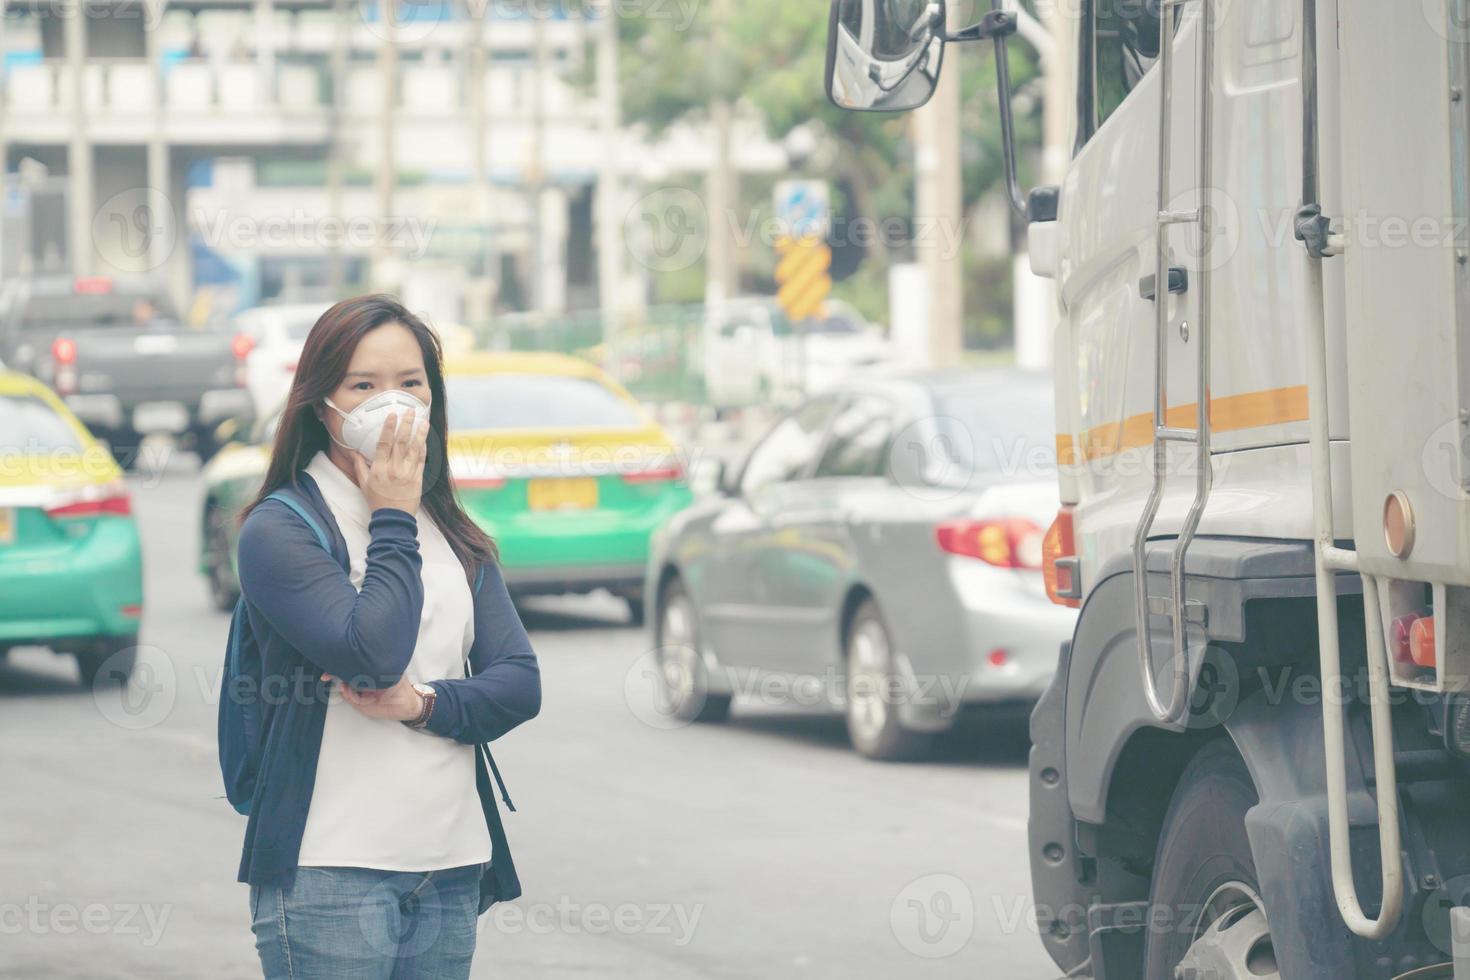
(1231, 940)
(678, 660)
(867, 675)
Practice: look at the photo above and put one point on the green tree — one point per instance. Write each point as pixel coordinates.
(771, 56)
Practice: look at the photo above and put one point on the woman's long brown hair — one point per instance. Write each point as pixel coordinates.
(321, 368)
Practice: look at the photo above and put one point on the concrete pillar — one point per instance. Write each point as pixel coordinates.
(1035, 304)
(938, 206)
(163, 238)
(81, 192)
(336, 165)
(265, 49)
(609, 214)
(551, 249)
(387, 271)
(180, 267)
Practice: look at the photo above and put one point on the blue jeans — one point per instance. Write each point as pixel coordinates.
(361, 924)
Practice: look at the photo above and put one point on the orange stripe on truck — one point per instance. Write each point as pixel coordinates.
(1228, 413)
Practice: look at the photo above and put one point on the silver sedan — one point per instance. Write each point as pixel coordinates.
(879, 552)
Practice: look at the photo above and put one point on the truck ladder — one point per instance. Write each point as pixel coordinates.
(1174, 606)
(1312, 231)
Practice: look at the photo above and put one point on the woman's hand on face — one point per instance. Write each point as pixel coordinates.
(395, 477)
(397, 703)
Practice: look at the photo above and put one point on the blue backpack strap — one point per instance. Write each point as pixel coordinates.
(301, 512)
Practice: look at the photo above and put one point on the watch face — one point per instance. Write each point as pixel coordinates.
(423, 689)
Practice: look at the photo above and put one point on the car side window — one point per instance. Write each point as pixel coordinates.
(1125, 45)
(861, 435)
(787, 449)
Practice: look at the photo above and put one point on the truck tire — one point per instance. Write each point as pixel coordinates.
(873, 724)
(1205, 893)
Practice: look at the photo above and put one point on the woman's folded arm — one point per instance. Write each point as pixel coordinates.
(365, 637)
(504, 688)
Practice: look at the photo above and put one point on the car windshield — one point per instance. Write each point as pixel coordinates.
(96, 310)
(992, 428)
(535, 401)
(30, 427)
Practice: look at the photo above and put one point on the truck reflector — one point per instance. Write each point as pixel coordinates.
(1421, 641)
(1059, 561)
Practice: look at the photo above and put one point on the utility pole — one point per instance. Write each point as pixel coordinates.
(158, 179)
(1035, 299)
(337, 272)
(720, 184)
(535, 163)
(609, 175)
(81, 185)
(939, 209)
(387, 176)
(481, 298)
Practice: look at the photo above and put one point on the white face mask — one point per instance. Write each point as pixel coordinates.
(362, 427)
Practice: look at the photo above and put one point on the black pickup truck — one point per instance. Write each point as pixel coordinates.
(119, 356)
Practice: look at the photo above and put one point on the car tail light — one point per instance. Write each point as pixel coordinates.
(64, 356)
(1059, 566)
(92, 286)
(241, 346)
(655, 474)
(112, 498)
(1011, 542)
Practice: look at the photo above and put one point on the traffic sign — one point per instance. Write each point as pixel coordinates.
(801, 275)
(803, 207)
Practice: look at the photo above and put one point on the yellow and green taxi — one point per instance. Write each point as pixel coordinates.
(71, 565)
(555, 460)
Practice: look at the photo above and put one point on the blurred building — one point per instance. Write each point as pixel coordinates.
(250, 150)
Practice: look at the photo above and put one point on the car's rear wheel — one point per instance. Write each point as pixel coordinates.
(109, 660)
(205, 444)
(126, 447)
(681, 669)
(635, 608)
(873, 723)
(1205, 878)
(224, 586)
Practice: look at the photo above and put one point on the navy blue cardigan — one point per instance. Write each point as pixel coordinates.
(308, 619)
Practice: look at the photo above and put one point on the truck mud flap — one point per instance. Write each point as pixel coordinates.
(1061, 904)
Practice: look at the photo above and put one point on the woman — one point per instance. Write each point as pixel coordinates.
(381, 617)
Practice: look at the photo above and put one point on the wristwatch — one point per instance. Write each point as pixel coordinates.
(428, 694)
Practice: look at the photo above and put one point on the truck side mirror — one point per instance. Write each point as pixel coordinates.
(884, 56)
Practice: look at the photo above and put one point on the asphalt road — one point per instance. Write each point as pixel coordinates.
(759, 848)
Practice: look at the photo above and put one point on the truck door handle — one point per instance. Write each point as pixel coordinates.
(1178, 282)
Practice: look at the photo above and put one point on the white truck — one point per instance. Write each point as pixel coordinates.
(1255, 758)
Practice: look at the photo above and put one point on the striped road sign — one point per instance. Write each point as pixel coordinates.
(801, 275)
